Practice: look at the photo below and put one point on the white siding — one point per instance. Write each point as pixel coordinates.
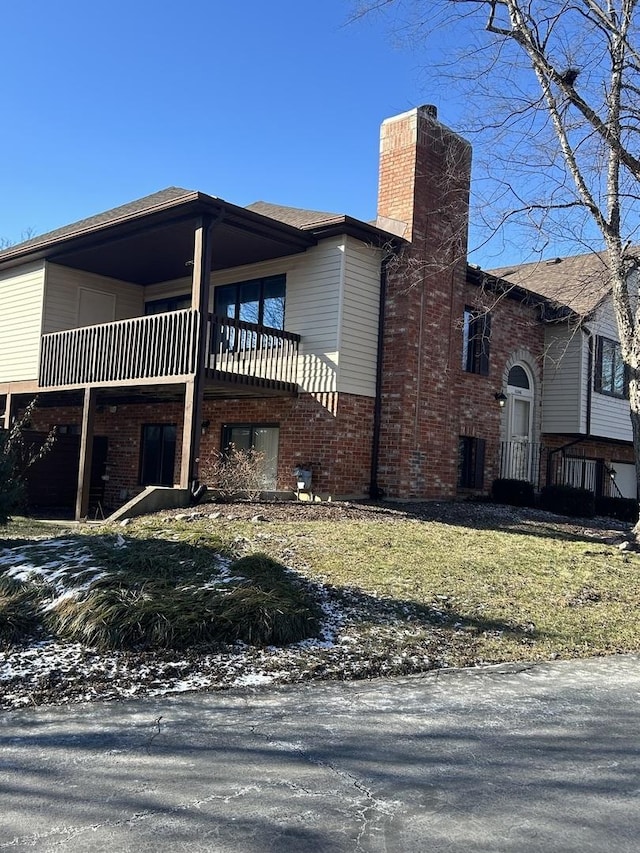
(609, 415)
(335, 283)
(564, 380)
(313, 311)
(21, 297)
(359, 322)
(312, 305)
(62, 297)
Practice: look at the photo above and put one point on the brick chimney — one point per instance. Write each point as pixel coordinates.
(425, 174)
(424, 197)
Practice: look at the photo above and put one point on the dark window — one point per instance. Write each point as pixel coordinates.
(259, 301)
(157, 454)
(518, 377)
(67, 429)
(172, 303)
(611, 376)
(260, 437)
(471, 462)
(476, 332)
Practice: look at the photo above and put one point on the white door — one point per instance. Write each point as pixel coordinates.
(517, 458)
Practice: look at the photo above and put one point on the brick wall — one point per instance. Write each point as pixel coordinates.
(331, 433)
(428, 399)
(424, 181)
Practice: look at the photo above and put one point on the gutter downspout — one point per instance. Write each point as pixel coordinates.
(589, 378)
(375, 492)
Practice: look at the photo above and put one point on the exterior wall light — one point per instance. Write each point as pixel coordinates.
(501, 399)
(204, 426)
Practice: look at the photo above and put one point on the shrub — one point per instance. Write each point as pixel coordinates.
(15, 459)
(624, 509)
(11, 485)
(513, 492)
(568, 500)
(236, 473)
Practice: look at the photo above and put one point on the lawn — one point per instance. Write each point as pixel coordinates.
(369, 591)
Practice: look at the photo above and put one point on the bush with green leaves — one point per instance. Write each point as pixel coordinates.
(624, 509)
(568, 500)
(513, 492)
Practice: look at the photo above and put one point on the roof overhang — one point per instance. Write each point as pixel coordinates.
(157, 243)
(550, 311)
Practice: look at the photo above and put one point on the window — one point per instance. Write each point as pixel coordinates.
(171, 303)
(259, 301)
(476, 331)
(611, 376)
(157, 454)
(66, 429)
(260, 437)
(471, 462)
(518, 377)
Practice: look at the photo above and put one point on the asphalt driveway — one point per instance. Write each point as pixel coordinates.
(510, 758)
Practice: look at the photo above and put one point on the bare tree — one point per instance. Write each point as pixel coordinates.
(556, 88)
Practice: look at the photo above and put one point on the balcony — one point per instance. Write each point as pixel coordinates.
(163, 348)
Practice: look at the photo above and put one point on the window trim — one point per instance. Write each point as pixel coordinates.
(476, 340)
(261, 282)
(598, 373)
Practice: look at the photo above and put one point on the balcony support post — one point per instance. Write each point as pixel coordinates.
(7, 419)
(86, 452)
(194, 388)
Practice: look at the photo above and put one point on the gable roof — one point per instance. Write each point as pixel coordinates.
(579, 282)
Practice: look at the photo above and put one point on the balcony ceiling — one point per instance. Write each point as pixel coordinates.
(146, 246)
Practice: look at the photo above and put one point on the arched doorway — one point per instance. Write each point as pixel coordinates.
(519, 432)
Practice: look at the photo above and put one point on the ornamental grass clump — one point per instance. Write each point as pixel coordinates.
(185, 598)
(269, 608)
(19, 618)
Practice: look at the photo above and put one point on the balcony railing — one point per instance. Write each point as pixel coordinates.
(159, 345)
(240, 351)
(162, 346)
(520, 460)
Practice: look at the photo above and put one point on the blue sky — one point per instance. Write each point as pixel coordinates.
(104, 102)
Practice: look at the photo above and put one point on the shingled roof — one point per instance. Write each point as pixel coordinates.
(146, 204)
(579, 282)
(297, 216)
